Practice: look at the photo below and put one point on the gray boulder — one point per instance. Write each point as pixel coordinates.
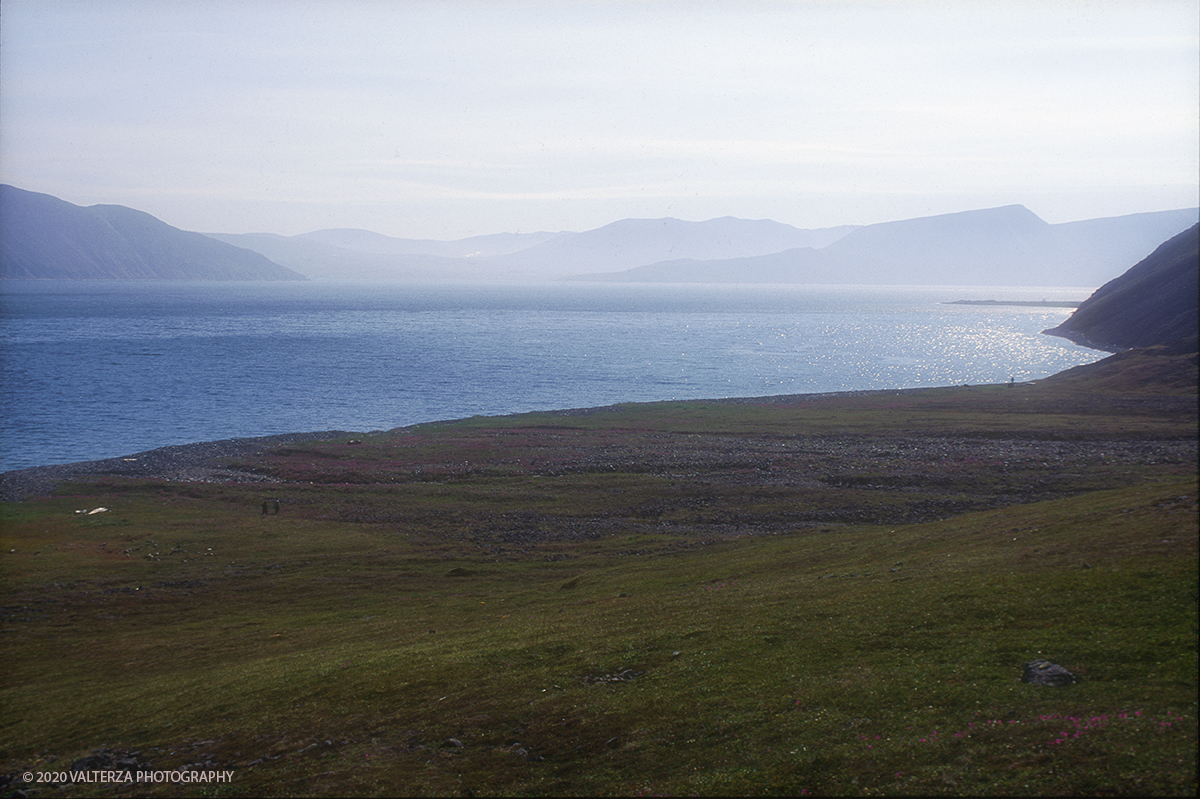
(1043, 672)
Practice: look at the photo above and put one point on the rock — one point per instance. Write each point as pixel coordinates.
(1043, 672)
(109, 760)
(624, 675)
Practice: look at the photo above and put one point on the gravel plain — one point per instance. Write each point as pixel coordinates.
(205, 461)
(925, 455)
(201, 462)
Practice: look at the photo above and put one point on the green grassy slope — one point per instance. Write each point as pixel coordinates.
(815, 595)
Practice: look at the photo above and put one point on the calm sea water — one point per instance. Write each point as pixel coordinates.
(93, 370)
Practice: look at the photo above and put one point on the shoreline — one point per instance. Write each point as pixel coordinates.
(1020, 303)
(185, 462)
(197, 462)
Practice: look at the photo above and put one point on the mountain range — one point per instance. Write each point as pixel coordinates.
(530, 256)
(999, 246)
(43, 237)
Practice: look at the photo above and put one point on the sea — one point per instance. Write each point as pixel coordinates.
(100, 369)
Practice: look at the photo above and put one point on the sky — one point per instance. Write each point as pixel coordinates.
(454, 118)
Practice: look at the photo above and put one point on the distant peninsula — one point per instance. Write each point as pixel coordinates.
(1030, 303)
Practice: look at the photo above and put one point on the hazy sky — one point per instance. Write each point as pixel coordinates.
(454, 118)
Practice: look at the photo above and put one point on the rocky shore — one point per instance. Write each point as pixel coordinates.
(207, 461)
(1030, 463)
(201, 462)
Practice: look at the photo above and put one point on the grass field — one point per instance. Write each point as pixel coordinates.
(824, 595)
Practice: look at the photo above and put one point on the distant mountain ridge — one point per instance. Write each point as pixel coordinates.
(43, 237)
(471, 247)
(633, 242)
(318, 259)
(1156, 302)
(1009, 245)
(529, 256)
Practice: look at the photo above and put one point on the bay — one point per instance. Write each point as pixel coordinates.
(101, 369)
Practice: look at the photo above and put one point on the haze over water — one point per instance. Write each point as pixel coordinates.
(101, 369)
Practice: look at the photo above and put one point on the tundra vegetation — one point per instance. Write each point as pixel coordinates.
(801, 595)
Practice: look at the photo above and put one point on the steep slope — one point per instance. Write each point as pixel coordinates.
(45, 238)
(1153, 303)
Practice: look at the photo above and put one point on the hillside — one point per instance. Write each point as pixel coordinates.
(1155, 302)
(45, 238)
(793, 595)
(829, 595)
(998, 246)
